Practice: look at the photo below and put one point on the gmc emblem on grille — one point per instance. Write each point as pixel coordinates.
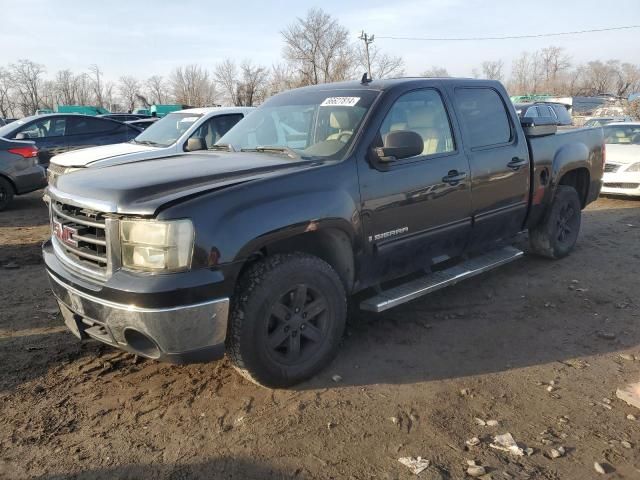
(64, 233)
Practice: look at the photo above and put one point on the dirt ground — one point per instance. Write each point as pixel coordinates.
(414, 380)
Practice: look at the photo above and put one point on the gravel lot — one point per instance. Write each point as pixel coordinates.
(413, 380)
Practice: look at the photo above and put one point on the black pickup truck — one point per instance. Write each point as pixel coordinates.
(391, 188)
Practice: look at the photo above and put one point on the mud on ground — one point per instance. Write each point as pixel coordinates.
(413, 380)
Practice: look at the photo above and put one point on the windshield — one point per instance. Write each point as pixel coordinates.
(310, 123)
(167, 130)
(622, 134)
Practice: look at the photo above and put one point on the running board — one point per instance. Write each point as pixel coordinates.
(435, 281)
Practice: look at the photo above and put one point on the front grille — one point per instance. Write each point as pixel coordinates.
(611, 167)
(81, 236)
(622, 185)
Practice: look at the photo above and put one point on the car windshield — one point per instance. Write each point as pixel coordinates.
(622, 134)
(167, 130)
(308, 124)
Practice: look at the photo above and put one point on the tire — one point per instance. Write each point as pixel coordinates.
(270, 342)
(6, 193)
(557, 234)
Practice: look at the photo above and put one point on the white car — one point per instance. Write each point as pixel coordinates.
(177, 132)
(622, 168)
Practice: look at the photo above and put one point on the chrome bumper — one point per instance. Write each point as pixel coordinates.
(178, 334)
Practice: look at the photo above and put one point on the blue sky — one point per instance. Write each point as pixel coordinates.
(146, 37)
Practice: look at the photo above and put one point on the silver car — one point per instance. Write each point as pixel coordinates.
(177, 132)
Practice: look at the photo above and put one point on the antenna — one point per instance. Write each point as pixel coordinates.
(365, 78)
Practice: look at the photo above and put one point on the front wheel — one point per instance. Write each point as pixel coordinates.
(557, 233)
(287, 319)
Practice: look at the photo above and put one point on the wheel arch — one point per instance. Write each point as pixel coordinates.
(331, 243)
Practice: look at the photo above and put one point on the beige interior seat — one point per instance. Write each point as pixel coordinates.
(340, 120)
(423, 122)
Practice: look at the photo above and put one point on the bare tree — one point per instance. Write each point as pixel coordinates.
(627, 80)
(255, 79)
(492, 69)
(7, 100)
(191, 85)
(283, 77)
(226, 76)
(27, 78)
(65, 85)
(318, 47)
(97, 85)
(157, 88)
(553, 64)
(84, 90)
(129, 88)
(435, 72)
(382, 65)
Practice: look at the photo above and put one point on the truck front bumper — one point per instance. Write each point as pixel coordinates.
(183, 333)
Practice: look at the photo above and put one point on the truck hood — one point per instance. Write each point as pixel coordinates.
(623, 154)
(140, 188)
(85, 156)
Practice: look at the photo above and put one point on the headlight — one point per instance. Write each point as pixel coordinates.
(156, 246)
(634, 168)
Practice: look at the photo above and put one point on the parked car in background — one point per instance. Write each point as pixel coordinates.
(602, 121)
(143, 123)
(58, 133)
(177, 132)
(557, 111)
(20, 171)
(622, 169)
(124, 117)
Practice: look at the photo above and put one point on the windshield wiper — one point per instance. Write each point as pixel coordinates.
(225, 147)
(289, 152)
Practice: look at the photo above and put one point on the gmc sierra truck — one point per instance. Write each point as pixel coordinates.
(390, 188)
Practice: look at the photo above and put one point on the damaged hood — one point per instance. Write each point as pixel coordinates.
(141, 188)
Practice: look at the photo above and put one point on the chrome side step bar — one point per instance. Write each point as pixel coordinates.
(437, 280)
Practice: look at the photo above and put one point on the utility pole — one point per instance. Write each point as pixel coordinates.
(367, 41)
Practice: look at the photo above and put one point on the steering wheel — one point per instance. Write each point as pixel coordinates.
(346, 134)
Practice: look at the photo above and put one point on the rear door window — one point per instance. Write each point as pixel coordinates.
(89, 125)
(483, 116)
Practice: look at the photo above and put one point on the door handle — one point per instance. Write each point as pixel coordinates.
(454, 177)
(516, 163)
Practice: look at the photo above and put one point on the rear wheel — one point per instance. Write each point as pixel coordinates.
(6, 193)
(557, 234)
(287, 319)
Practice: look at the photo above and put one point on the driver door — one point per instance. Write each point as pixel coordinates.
(417, 210)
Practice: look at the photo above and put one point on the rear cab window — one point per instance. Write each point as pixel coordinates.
(483, 116)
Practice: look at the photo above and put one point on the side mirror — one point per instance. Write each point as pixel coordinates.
(400, 144)
(194, 144)
(538, 126)
(21, 136)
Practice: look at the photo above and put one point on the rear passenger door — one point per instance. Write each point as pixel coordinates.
(499, 160)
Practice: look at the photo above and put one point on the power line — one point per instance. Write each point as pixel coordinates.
(509, 37)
